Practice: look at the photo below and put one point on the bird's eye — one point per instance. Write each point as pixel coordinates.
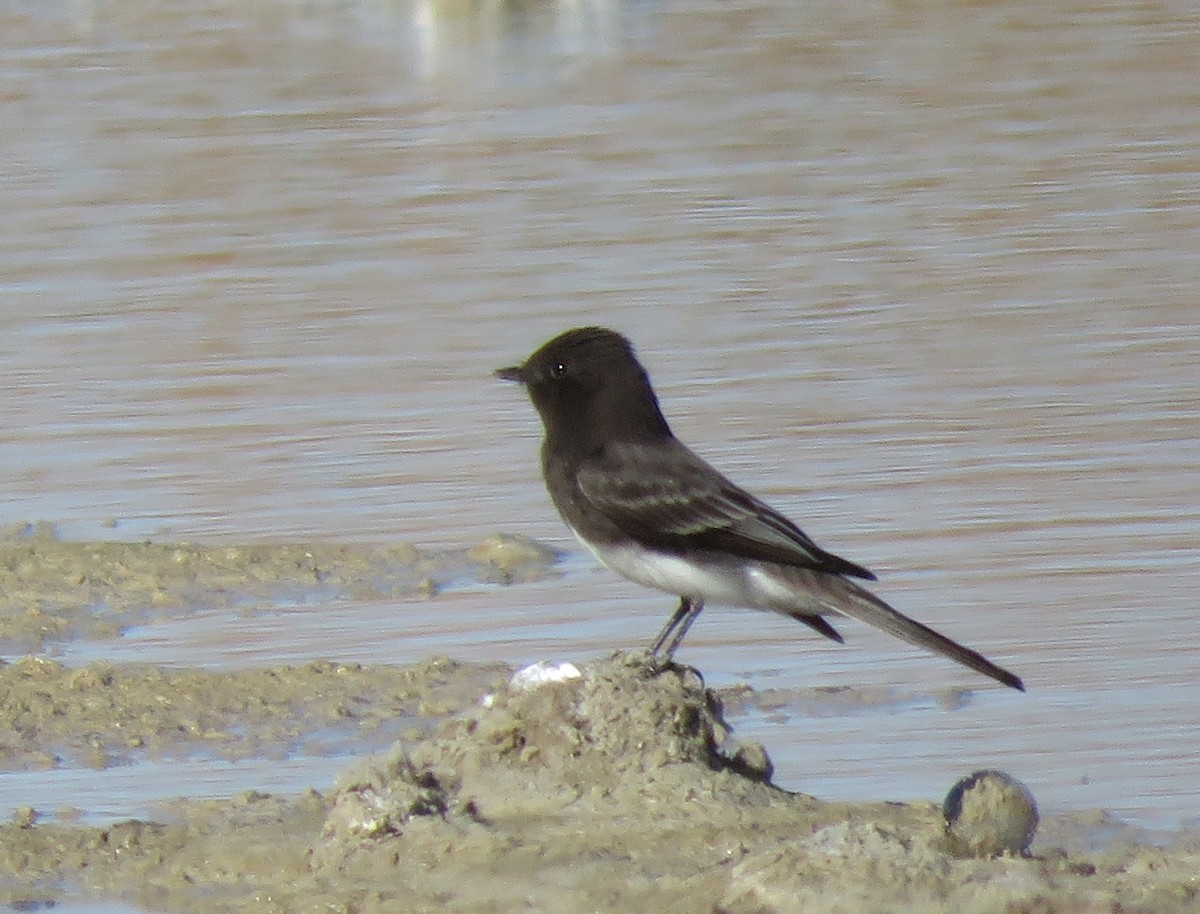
(558, 370)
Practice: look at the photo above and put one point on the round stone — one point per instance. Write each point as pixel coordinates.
(989, 814)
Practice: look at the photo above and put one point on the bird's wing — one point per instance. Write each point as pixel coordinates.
(664, 495)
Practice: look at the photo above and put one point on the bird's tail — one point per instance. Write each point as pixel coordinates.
(849, 599)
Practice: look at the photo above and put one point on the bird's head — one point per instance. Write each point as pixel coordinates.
(588, 384)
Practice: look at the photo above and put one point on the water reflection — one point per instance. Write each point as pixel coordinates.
(482, 38)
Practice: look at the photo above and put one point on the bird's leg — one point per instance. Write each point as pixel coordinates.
(676, 627)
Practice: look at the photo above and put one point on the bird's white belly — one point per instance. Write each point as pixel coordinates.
(718, 579)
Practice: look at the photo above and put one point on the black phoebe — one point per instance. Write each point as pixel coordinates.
(654, 512)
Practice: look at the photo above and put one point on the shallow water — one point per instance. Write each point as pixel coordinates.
(924, 275)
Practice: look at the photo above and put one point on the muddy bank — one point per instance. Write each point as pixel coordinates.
(53, 591)
(612, 788)
(102, 715)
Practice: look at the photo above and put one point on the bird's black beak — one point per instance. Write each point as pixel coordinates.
(512, 373)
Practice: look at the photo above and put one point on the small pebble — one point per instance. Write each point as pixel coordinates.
(990, 814)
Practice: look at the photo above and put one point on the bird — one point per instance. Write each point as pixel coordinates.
(653, 511)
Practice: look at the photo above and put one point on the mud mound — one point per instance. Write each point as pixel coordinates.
(614, 736)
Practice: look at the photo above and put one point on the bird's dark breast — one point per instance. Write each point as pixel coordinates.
(559, 472)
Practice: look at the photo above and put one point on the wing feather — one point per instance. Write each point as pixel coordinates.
(670, 498)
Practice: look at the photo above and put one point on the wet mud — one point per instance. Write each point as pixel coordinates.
(104, 715)
(610, 785)
(53, 591)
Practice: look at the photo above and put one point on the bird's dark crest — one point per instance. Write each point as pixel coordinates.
(597, 340)
(587, 349)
